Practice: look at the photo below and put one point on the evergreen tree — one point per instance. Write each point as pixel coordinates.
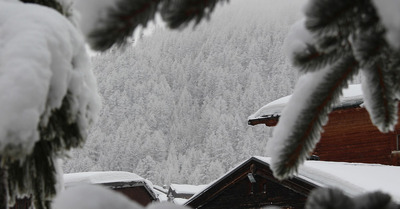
(338, 38)
(62, 126)
(63, 101)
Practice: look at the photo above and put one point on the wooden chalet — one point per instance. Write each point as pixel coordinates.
(252, 185)
(180, 193)
(131, 185)
(349, 135)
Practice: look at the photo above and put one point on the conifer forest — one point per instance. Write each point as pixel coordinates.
(175, 103)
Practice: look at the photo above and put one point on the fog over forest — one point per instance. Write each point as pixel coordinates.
(175, 105)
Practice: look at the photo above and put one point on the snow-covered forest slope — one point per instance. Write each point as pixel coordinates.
(175, 105)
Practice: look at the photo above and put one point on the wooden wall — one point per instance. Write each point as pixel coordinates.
(350, 136)
(236, 191)
(138, 194)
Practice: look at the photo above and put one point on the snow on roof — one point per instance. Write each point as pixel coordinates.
(162, 197)
(179, 201)
(160, 188)
(186, 188)
(101, 177)
(353, 178)
(351, 96)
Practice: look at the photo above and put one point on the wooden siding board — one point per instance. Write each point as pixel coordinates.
(349, 136)
(138, 194)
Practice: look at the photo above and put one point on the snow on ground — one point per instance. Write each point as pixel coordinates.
(351, 95)
(42, 57)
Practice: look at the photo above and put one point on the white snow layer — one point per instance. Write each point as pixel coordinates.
(353, 178)
(98, 197)
(101, 177)
(42, 57)
(297, 39)
(388, 11)
(350, 95)
(92, 197)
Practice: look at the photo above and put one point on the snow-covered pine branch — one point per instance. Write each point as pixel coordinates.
(106, 23)
(48, 96)
(341, 38)
(335, 198)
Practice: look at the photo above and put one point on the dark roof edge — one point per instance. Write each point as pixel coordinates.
(259, 120)
(219, 180)
(132, 184)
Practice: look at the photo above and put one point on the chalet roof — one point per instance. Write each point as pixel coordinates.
(352, 178)
(113, 179)
(352, 97)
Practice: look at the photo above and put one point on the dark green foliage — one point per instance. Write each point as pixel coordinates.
(122, 20)
(48, 3)
(38, 170)
(347, 37)
(306, 131)
(178, 13)
(3, 189)
(311, 59)
(327, 198)
(323, 198)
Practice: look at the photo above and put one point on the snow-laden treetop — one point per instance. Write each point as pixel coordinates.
(351, 96)
(42, 61)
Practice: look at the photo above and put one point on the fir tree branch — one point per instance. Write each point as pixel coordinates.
(48, 3)
(380, 97)
(379, 88)
(326, 16)
(121, 22)
(38, 170)
(300, 137)
(311, 60)
(329, 198)
(178, 13)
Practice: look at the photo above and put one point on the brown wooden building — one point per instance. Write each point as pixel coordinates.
(252, 185)
(349, 135)
(131, 185)
(183, 191)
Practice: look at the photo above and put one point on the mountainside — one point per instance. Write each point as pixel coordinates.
(175, 105)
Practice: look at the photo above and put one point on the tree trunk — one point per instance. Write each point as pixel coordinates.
(3, 188)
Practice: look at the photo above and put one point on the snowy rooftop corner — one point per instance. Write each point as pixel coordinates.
(353, 178)
(71, 179)
(352, 96)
